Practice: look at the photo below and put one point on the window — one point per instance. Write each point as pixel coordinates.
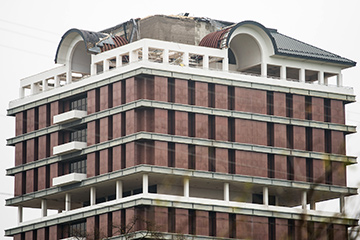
(211, 127)
(289, 105)
(308, 108)
(192, 222)
(272, 229)
(328, 172)
(191, 92)
(212, 159)
(78, 166)
(79, 104)
(212, 223)
(231, 98)
(191, 124)
(232, 225)
(291, 229)
(231, 129)
(328, 141)
(211, 95)
(290, 167)
(171, 154)
(231, 153)
(309, 139)
(77, 229)
(78, 135)
(191, 156)
(171, 220)
(171, 90)
(270, 103)
(171, 122)
(327, 110)
(289, 136)
(270, 134)
(309, 170)
(271, 166)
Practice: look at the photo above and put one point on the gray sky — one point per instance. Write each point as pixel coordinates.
(31, 30)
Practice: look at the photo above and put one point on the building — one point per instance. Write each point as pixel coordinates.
(174, 126)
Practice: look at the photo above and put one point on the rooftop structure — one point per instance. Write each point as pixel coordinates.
(175, 126)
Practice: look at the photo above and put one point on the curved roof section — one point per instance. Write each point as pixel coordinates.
(95, 42)
(282, 44)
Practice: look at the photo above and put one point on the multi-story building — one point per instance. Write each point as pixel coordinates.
(173, 126)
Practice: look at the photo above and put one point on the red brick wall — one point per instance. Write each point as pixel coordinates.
(104, 129)
(280, 139)
(279, 104)
(104, 225)
(181, 155)
(202, 223)
(201, 94)
(116, 94)
(181, 221)
(54, 233)
(29, 235)
(161, 121)
(337, 142)
(116, 127)
(18, 185)
(299, 169)
(317, 109)
(30, 181)
(337, 112)
(19, 123)
(54, 172)
(201, 126)
(318, 140)
(30, 120)
(54, 141)
(41, 234)
(221, 160)
(116, 161)
(91, 133)
(104, 98)
(116, 222)
(338, 173)
(41, 177)
(260, 228)
(160, 153)
(280, 166)
(91, 227)
(42, 116)
(221, 129)
(91, 164)
(104, 161)
(91, 101)
(42, 147)
(221, 96)
(54, 110)
(201, 155)
(181, 91)
(181, 123)
(298, 106)
(30, 147)
(130, 122)
(281, 228)
(250, 100)
(131, 93)
(248, 131)
(251, 163)
(222, 224)
(160, 88)
(19, 154)
(299, 138)
(130, 154)
(319, 171)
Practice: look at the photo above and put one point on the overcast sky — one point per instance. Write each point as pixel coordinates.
(31, 30)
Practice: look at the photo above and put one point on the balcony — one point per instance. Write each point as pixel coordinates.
(69, 147)
(68, 179)
(69, 116)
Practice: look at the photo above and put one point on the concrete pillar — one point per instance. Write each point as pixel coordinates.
(339, 80)
(21, 92)
(166, 56)
(57, 81)
(43, 208)
(266, 196)
(133, 56)
(186, 59)
(321, 77)
(20, 214)
(34, 88)
(326, 81)
(186, 187)
(263, 69)
(145, 183)
(283, 72)
(119, 189)
(304, 200)
(92, 196)
(106, 65)
(44, 85)
(145, 53)
(68, 76)
(342, 204)
(67, 202)
(225, 61)
(206, 62)
(302, 75)
(118, 61)
(226, 192)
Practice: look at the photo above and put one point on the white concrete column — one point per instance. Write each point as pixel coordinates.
(283, 72)
(186, 187)
(34, 88)
(119, 189)
(304, 200)
(206, 62)
(166, 56)
(342, 204)
(93, 69)
(133, 56)
(266, 196)
(225, 61)
(145, 183)
(263, 69)
(56, 81)
(43, 208)
(226, 192)
(20, 214)
(145, 53)
(92, 196)
(21, 92)
(67, 202)
(44, 85)
(106, 65)
(339, 80)
(118, 61)
(68, 76)
(186, 59)
(302, 75)
(321, 77)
